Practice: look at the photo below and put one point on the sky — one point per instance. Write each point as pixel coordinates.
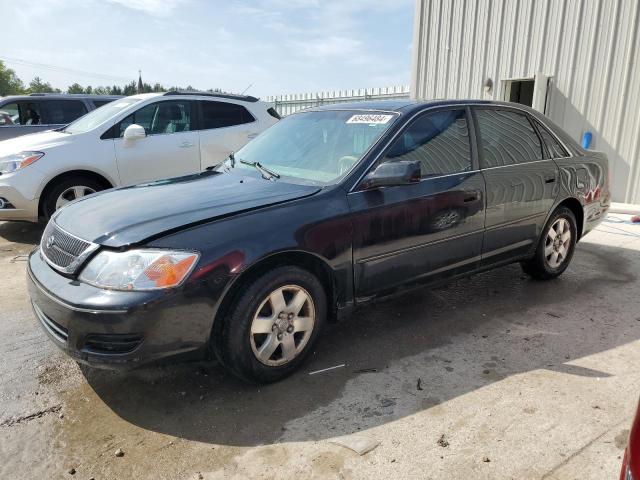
(277, 46)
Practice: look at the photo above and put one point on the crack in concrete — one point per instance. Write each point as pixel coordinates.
(13, 421)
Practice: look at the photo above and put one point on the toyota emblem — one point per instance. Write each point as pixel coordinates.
(50, 241)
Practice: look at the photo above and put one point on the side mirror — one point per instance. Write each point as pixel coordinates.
(134, 132)
(387, 174)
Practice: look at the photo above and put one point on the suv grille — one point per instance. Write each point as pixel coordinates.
(62, 250)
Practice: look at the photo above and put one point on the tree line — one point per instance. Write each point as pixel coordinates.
(11, 84)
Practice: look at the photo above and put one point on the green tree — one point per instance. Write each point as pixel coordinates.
(37, 85)
(10, 84)
(75, 88)
(130, 89)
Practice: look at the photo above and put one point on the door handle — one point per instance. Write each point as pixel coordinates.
(186, 144)
(470, 198)
(550, 180)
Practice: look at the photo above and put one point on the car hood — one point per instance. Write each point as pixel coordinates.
(40, 141)
(129, 215)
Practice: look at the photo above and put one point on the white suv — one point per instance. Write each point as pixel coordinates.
(132, 140)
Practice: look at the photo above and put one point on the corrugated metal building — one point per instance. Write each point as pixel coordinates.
(574, 60)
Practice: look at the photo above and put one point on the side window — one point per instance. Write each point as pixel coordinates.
(159, 118)
(99, 103)
(506, 138)
(223, 114)
(9, 115)
(21, 113)
(439, 141)
(61, 112)
(555, 149)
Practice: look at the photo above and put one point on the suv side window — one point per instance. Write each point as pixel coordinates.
(159, 118)
(9, 115)
(223, 114)
(556, 150)
(99, 103)
(506, 138)
(61, 112)
(21, 113)
(439, 141)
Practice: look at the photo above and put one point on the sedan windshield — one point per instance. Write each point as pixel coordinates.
(99, 116)
(320, 146)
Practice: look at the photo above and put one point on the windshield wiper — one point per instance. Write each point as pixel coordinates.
(264, 171)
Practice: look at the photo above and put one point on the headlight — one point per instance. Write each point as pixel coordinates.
(14, 162)
(139, 269)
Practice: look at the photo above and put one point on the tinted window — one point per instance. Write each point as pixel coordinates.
(99, 103)
(160, 118)
(555, 149)
(507, 138)
(64, 111)
(223, 114)
(439, 141)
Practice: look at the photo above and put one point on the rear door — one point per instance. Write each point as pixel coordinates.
(225, 128)
(170, 149)
(427, 230)
(521, 181)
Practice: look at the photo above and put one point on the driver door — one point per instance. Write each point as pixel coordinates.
(422, 231)
(170, 149)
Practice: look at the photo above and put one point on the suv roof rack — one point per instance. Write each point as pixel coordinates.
(230, 96)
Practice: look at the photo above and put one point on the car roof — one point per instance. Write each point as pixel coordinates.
(409, 106)
(58, 96)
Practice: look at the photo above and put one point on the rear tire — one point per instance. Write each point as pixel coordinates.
(555, 247)
(272, 325)
(67, 190)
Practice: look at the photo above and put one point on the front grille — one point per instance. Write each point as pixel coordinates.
(61, 249)
(57, 331)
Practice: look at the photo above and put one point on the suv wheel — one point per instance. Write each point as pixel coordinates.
(555, 247)
(68, 190)
(273, 325)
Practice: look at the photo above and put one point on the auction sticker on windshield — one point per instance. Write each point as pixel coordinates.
(370, 118)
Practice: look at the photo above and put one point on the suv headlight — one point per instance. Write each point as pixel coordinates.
(14, 162)
(139, 269)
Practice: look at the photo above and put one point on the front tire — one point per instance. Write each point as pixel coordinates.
(68, 190)
(555, 247)
(272, 325)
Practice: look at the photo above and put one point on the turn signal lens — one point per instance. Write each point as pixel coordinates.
(139, 269)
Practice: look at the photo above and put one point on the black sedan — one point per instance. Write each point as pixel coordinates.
(328, 209)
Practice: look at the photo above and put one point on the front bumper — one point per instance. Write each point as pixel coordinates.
(17, 207)
(112, 329)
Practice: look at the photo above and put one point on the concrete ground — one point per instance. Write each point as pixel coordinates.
(491, 377)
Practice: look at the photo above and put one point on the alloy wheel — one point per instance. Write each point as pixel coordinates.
(73, 193)
(282, 325)
(558, 243)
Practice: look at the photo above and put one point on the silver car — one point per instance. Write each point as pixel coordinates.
(22, 114)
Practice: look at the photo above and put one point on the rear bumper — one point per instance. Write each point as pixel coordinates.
(117, 330)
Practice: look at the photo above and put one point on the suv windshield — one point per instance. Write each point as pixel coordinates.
(320, 146)
(99, 115)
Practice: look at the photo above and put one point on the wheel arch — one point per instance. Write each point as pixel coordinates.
(305, 260)
(70, 173)
(576, 208)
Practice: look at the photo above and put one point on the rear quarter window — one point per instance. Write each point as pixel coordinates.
(61, 112)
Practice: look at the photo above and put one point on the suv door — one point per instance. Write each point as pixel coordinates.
(170, 149)
(426, 230)
(521, 179)
(225, 128)
(21, 117)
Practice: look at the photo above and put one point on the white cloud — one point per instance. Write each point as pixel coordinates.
(159, 8)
